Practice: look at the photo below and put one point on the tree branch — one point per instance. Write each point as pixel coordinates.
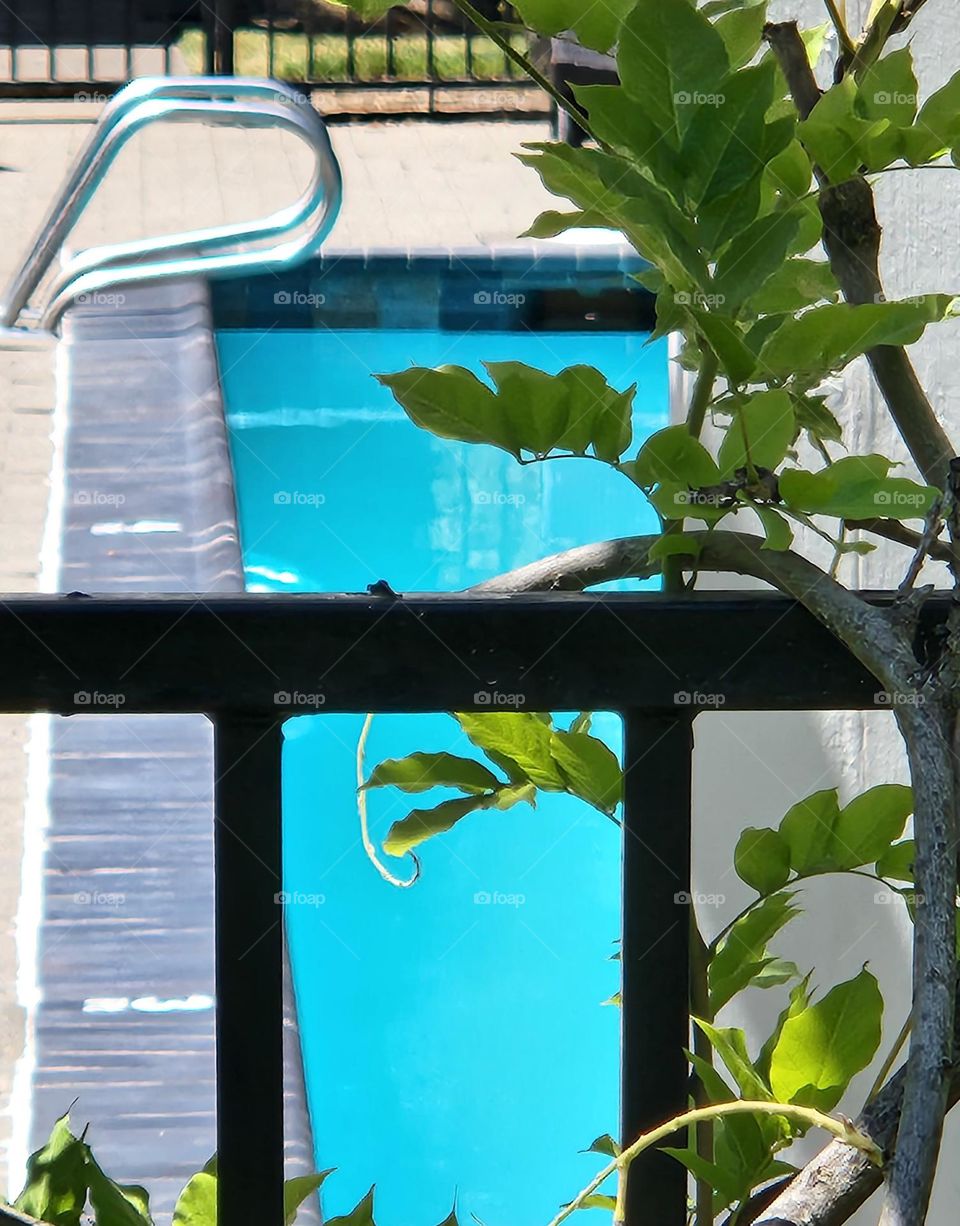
(851, 236)
(868, 632)
(834, 1185)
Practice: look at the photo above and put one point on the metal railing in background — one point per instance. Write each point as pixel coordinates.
(86, 48)
(272, 244)
(642, 655)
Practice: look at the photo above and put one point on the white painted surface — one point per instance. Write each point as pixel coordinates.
(750, 768)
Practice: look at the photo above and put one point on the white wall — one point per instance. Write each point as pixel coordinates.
(750, 768)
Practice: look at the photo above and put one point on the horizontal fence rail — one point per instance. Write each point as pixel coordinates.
(427, 653)
(86, 49)
(252, 661)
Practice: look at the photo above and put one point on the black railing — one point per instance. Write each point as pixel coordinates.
(77, 47)
(647, 656)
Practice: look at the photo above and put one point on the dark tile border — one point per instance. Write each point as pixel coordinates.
(509, 288)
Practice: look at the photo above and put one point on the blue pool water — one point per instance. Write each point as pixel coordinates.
(455, 1042)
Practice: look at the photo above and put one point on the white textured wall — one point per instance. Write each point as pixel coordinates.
(750, 768)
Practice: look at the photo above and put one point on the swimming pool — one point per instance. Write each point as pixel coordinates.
(456, 1045)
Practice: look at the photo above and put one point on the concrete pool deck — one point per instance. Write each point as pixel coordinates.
(408, 185)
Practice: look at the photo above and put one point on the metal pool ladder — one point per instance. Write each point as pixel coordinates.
(271, 244)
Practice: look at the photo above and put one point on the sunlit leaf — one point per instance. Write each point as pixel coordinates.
(822, 1047)
(421, 771)
(762, 859)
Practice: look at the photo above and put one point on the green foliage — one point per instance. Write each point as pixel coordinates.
(742, 955)
(66, 1186)
(530, 411)
(530, 752)
(822, 1047)
(57, 1179)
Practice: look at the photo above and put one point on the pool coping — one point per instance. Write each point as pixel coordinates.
(146, 445)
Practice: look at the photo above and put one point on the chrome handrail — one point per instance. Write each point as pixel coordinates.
(217, 251)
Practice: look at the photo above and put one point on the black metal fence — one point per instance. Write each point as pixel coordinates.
(646, 656)
(70, 47)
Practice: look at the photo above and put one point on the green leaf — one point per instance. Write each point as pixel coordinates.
(673, 454)
(888, 91)
(762, 859)
(604, 1144)
(721, 1179)
(723, 145)
(799, 999)
(612, 187)
(422, 771)
(197, 1203)
(742, 31)
(828, 337)
(596, 25)
(296, 1191)
(533, 402)
(621, 124)
(822, 1047)
(743, 951)
(870, 822)
(451, 402)
(56, 1187)
(599, 1200)
(520, 738)
(670, 54)
(422, 824)
(896, 863)
(938, 124)
(834, 132)
(761, 432)
(113, 1204)
(597, 415)
(775, 973)
(793, 286)
(856, 487)
(754, 257)
(590, 768)
(514, 794)
(726, 339)
(361, 1215)
(789, 171)
(777, 530)
(807, 828)
(812, 415)
(730, 1045)
(674, 544)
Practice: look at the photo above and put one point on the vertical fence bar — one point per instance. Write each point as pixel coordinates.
(249, 949)
(224, 25)
(129, 34)
(271, 37)
(88, 38)
(655, 954)
(351, 36)
(54, 31)
(390, 33)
